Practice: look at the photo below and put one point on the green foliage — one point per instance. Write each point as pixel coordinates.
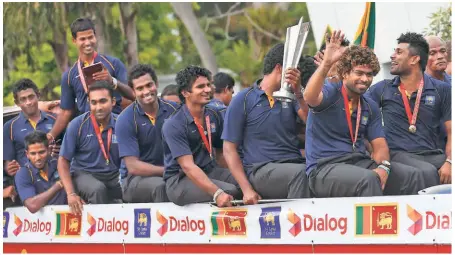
(441, 23)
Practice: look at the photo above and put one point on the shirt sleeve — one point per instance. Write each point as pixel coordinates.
(126, 133)
(446, 103)
(374, 128)
(330, 95)
(67, 97)
(175, 137)
(69, 144)
(24, 184)
(9, 153)
(234, 120)
(375, 92)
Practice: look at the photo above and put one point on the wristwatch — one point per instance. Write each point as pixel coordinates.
(114, 82)
(385, 165)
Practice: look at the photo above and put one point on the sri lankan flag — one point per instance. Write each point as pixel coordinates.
(68, 224)
(229, 222)
(376, 219)
(328, 30)
(366, 30)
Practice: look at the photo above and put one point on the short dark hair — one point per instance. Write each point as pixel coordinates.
(35, 137)
(100, 85)
(187, 76)
(356, 55)
(223, 80)
(24, 84)
(418, 46)
(306, 67)
(81, 24)
(170, 90)
(141, 70)
(273, 57)
(344, 43)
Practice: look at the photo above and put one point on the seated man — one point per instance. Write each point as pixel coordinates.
(26, 96)
(413, 107)
(37, 182)
(224, 89)
(339, 119)
(140, 139)
(170, 93)
(191, 174)
(273, 166)
(90, 144)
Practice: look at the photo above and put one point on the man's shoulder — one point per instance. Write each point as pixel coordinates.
(438, 84)
(127, 113)
(9, 122)
(110, 59)
(173, 106)
(79, 120)
(23, 174)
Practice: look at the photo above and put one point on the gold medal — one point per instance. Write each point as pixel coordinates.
(412, 129)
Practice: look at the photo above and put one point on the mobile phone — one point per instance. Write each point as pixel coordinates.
(88, 72)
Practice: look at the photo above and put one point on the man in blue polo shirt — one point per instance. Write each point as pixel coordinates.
(37, 181)
(26, 96)
(413, 106)
(140, 139)
(90, 144)
(189, 137)
(74, 84)
(224, 89)
(339, 119)
(273, 166)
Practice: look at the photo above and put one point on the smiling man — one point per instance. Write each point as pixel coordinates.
(73, 85)
(339, 119)
(38, 183)
(191, 172)
(140, 139)
(90, 144)
(413, 107)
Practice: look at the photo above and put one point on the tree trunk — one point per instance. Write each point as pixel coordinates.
(185, 12)
(127, 18)
(59, 44)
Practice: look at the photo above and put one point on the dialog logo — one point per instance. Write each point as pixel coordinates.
(269, 220)
(179, 224)
(296, 223)
(312, 223)
(31, 226)
(106, 225)
(431, 220)
(376, 219)
(228, 222)
(142, 223)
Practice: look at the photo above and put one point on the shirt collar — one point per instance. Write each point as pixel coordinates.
(258, 89)
(161, 108)
(51, 167)
(188, 115)
(25, 119)
(427, 83)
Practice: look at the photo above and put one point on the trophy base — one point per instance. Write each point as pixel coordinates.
(284, 96)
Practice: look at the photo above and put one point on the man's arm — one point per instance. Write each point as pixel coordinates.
(125, 91)
(381, 150)
(37, 202)
(60, 124)
(196, 175)
(140, 168)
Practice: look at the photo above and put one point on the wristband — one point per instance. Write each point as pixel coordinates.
(449, 161)
(385, 168)
(72, 194)
(217, 193)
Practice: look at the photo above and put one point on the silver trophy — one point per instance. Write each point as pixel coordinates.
(295, 40)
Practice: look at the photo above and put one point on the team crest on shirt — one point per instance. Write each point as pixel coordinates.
(429, 100)
(364, 120)
(49, 126)
(213, 127)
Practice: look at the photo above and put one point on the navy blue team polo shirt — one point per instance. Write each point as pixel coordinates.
(139, 137)
(435, 107)
(14, 132)
(181, 137)
(80, 145)
(266, 134)
(327, 132)
(73, 90)
(29, 183)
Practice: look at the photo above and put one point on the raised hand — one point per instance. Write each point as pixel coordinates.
(333, 49)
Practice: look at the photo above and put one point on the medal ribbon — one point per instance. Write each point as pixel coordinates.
(412, 117)
(81, 74)
(348, 116)
(100, 139)
(207, 143)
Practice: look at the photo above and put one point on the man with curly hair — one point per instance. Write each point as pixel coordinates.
(339, 119)
(189, 137)
(265, 128)
(413, 106)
